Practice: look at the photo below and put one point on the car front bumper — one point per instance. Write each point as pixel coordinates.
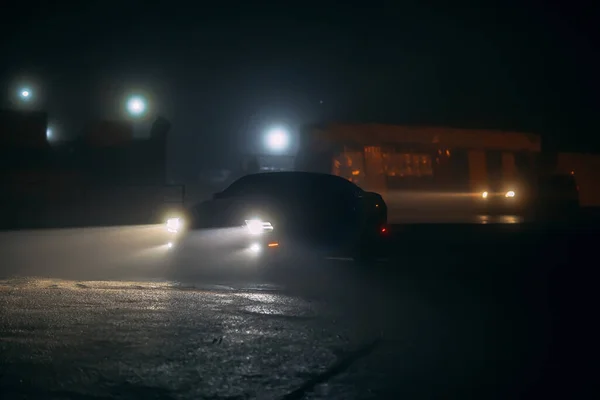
(236, 244)
(500, 204)
(223, 243)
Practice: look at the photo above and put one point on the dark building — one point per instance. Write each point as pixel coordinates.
(109, 154)
(105, 173)
(23, 130)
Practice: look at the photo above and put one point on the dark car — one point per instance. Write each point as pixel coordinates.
(292, 213)
(502, 198)
(540, 198)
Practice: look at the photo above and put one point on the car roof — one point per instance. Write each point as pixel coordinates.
(285, 175)
(297, 179)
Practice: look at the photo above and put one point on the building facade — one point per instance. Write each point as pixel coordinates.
(384, 157)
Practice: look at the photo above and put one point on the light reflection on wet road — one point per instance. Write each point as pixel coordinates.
(107, 338)
(105, 317)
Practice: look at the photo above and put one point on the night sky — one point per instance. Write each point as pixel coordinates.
(224, 72)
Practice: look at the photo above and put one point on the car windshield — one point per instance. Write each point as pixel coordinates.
(290, 184)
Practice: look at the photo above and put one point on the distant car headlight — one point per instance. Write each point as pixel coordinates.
(510, 193)
(257, 226)
(484, 195)
(174, 225)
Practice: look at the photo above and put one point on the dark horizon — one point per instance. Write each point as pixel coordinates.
(222, 78)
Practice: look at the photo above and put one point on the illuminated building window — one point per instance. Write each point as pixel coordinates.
(408, 165)
(348, 164)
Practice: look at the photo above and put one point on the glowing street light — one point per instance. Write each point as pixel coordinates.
(49, 133)
(25, 94)
(136, 106)
(277, 140)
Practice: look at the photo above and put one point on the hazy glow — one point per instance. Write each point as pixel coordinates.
(49, 133)
(257, 226)
(136, 105)
(25, 94)
(174, 225)
(277, 140)
(255, 248)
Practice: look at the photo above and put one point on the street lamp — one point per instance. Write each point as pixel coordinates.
(25, 94)
(136, 106)
(277, 140)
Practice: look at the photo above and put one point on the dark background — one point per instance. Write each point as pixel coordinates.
(224, 72)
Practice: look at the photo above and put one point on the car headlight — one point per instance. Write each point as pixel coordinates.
(174, 225)
(255, 248)
(510, 193)
(484, 195)
(257, 226)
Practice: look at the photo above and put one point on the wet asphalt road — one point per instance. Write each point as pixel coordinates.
(453, 311)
